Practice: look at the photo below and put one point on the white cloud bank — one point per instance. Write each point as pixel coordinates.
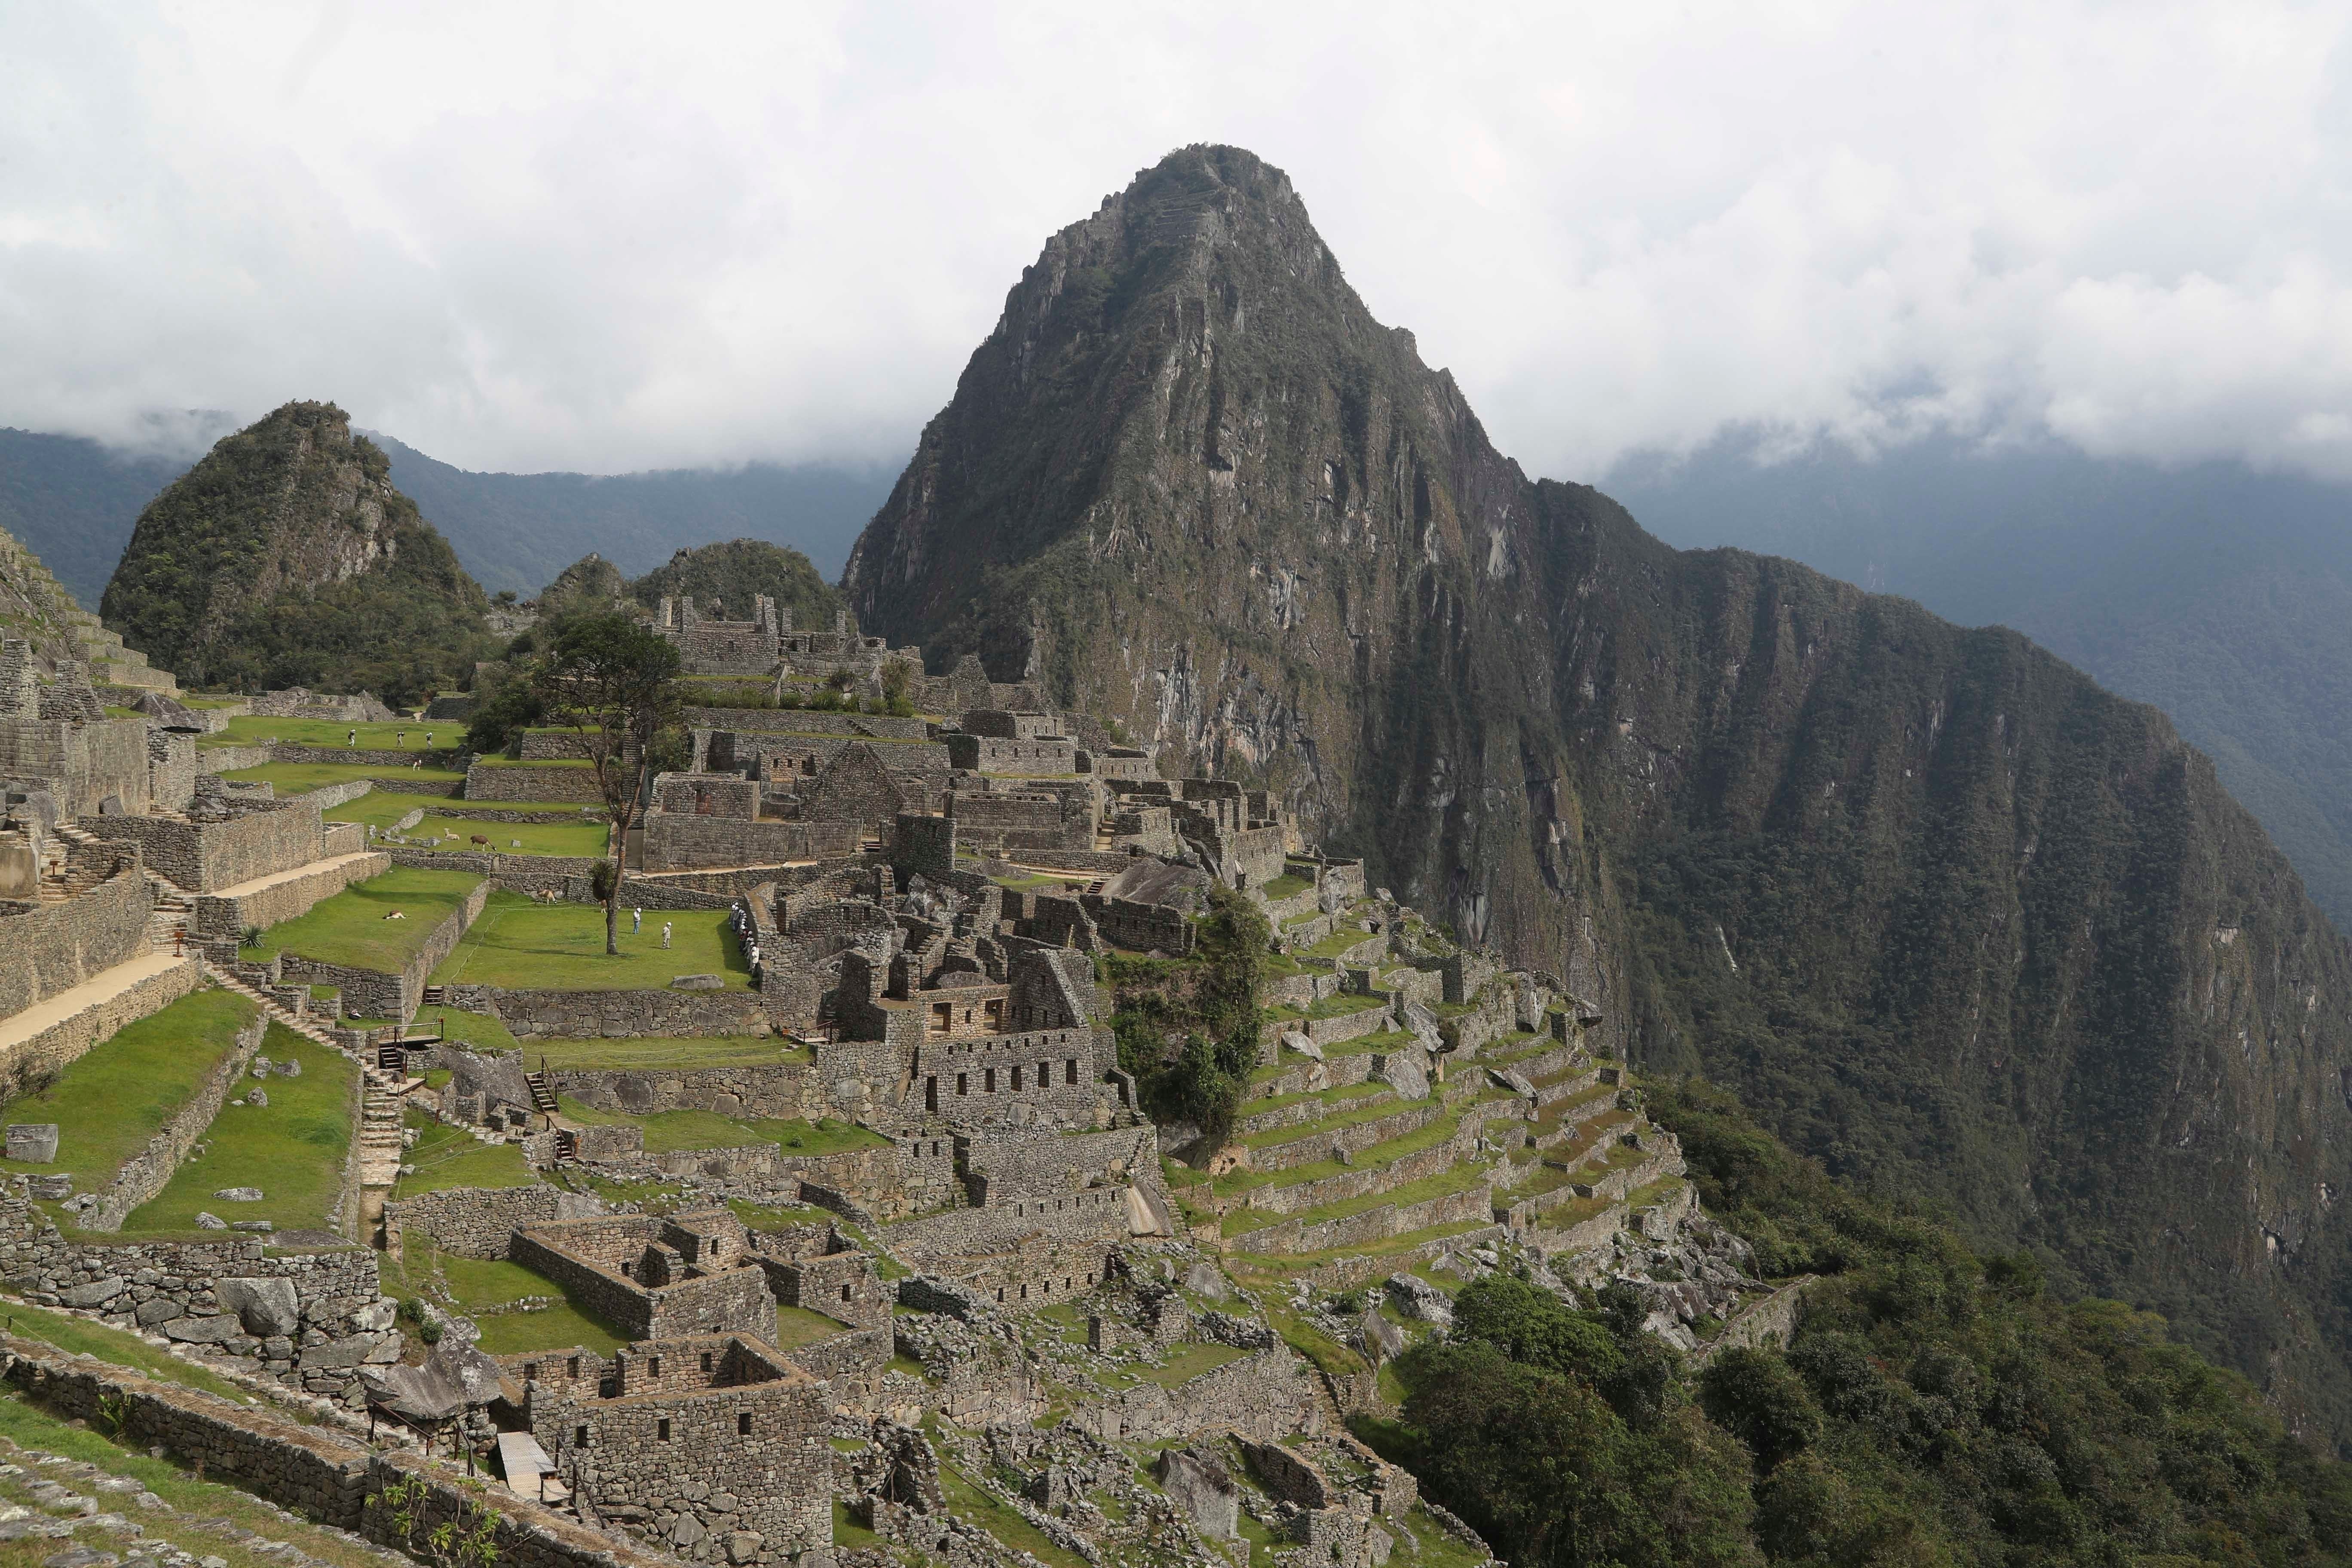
(558, 235)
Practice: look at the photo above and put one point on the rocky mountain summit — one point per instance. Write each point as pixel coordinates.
(1972, 929)
(285, 557)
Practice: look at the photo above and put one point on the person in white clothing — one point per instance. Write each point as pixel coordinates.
(665, 933)
(636, 922)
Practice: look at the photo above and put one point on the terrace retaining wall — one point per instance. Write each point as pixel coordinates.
(53, 947)
(146, 1172)
(222, 919)
(487, 780)
(370, 993)
(63, 1042)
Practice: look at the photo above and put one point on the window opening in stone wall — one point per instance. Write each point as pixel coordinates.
(628, 1269)
(580, 1436)
(661, 1429)
(1070, 1071)
(931, 1099)
(992, 1080)
(706, 1360)
(652, 1366)
(845, 1292)
(529, 1371)
(571, 1367)
(942, 1018)
(743, 1423)
(963, 1083)
(995, 1014)
(1000, 1292)
(1017, 1080)
(1045, 1075)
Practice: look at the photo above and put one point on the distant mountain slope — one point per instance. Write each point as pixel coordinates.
(286, 556)
(2222, 596)
(73, 502)
(517, 531)
(1963, 925)
(733, 571)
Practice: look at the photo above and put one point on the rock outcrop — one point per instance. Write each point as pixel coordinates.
(1949, 915)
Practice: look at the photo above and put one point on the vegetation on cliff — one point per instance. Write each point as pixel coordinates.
(1188, 1029)
(1956, 920)
(1937, 1405)
(734, 571)
(285, 557)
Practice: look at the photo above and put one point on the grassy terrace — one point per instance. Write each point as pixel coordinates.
(1559, 1109)
(1378, 1155)
(407, 735)
(1455, 1179)
(477, 1287)
(1338, 941)
(797, 1326)
(457, 834)
(1286, 886)
(292, 1149)
(108, 1104)
(669, 1132)
(1346, 1005)
(300, 778)
(477, 1029)
(354, 928)
(447, 1157)
(1338, 1096)
(561, 947)
(1349, 1115)
(1253, 1269)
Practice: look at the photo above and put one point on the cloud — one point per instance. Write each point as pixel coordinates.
(609, 237)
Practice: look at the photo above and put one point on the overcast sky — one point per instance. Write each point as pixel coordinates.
(524, 237)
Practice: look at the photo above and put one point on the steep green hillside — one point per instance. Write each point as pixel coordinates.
(285, 557)
(1972, 928)
(73, 502)
(735, 570)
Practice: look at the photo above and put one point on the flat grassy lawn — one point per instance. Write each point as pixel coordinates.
(561, 947)
(381, 808)
(249, 730)
(1286, 886)
(1188, 1361)
(797, 1326)
(352, 928)
(300, 778)
(685, 1053)
(292, 1148)
(667, 1132)
(447, 1157)
(474, 1286)
(81, 1337)
(108, 1104)
(534, 837)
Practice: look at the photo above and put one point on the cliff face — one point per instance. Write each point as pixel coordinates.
(1970, 929)
(286, 557)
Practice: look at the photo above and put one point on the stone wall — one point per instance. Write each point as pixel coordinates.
(742, 1465)
(471, 1222)
(783, 1092)
(1012, 1165)
(1770, 1322)
(231, 759)
(683, 841)
(51, 1049)
(205, 856)
(217, 918)
(488, 780)
(1098, 1214)
(313, 1471)
(853, 1364)
(50, 948)
(324, 1317)
(362, 756)
(734, 1300)
(1267, 1396)
(370, 993)
(627, 1015)
(809, 721)
(145, 1174)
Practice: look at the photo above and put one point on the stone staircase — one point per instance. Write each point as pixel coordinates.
(111, 663)
(381, 1092)
(170, 927)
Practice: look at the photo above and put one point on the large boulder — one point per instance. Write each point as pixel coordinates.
(265, 1305)
(33, 1143)
(1417, 1298)
(1403, 1071)
(1198, 1485)
(212, 1331)
(97, 1293)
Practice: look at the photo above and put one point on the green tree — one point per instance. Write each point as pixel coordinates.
(614, 683)
(1753, 1396)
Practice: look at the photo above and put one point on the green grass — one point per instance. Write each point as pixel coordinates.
(1286, 886)
(1256, 1268)
(797, 1326)
(1187, 1361)
(23, 1423)
(1338, 942)
(847, 1534)
(684, 1052)
(583, 839)
(1453, 1179)
(300, 778)
(292, 1148)
(1338, 1096)
(1385, 1153)
(79, 1336)
(247, 730)
(561, 947)
(352, 929)
(977, 1508)
(1338, 1119)
(447, 1157)
(474, 1285)
(118, 1095)
(667, 1132)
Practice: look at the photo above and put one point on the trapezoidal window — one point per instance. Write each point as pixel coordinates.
(942, 1018)
(661, 1429)
(742, 1424)
(931, 1095)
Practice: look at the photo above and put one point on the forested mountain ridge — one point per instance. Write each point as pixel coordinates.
(285, 557)
(1972, 928)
